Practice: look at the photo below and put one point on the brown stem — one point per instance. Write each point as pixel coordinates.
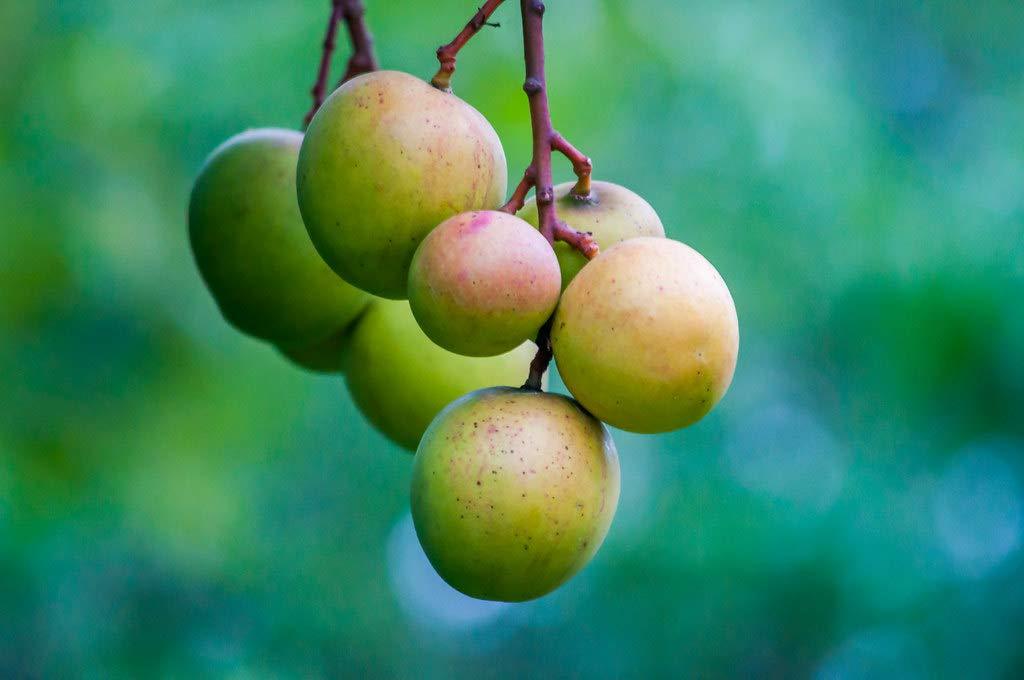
(320, 86)
(541, 360)
(546, 139)
(518, 199)
(447, 54)
(581, 164)
(535, 87)
(363, 59)
(582, 241)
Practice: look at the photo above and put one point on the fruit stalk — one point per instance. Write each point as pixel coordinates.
(363, 58)
(542, 359)
(546, 140)
(447, 54)
(518, 199)
(535, 87)
(539, 174)
(581, 164)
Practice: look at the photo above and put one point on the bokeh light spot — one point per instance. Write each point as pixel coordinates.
(978, 511)
(783, 452)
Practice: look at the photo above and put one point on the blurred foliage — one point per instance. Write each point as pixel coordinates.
(177, 501)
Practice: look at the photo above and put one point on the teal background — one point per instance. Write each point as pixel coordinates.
(177, 501)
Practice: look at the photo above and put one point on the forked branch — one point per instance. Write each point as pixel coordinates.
(447, 54)
(545, 140)
(539, 174)
(363, 59)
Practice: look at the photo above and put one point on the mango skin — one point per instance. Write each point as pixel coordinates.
(646, 336)
(386, 159)
(483, 283)
(612, 214)
(401, 380)
(513, 492)
(252, 249)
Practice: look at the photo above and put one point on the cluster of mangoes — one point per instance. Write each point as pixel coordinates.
(373, 246)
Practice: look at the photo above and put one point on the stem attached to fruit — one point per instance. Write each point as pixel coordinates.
(542, 359)
(363, 59)
(447, 54)
(539, 174)
(545, 140)
(581, 165)
(535, 87)
(518, 200)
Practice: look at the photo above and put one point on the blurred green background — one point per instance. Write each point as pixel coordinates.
(177, 501)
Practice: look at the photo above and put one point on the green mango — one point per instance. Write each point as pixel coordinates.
(386, 159)
(513, 492)
(252, 249)
(401, 380)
